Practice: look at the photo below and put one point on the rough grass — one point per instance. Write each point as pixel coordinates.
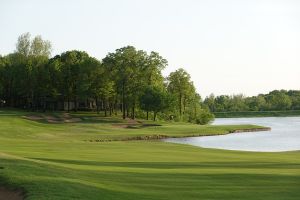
(53, 161)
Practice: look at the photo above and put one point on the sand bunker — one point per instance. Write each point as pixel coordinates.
(133, 124)
(6, 194)
(64, 118)
(127, 124)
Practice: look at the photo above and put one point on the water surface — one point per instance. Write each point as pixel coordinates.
(284, 135)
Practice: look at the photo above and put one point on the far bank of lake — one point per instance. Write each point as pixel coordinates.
(244, 114)
(284, 135)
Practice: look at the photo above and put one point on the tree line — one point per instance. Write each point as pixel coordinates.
(127, 81)
(277, 100)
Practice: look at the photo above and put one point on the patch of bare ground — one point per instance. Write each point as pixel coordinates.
(129, 123)
(64, 118)
(250, 130)
(72, 120)
(7, 194)
(33, 117)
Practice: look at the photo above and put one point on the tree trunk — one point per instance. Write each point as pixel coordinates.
(63, 101)
(97, 105)
(10, 98)
(195, 110)
(32, 100)
(147, 115)
(154, 116)
(123, 100)
(180, 105)
(184, 104)
(116, 108)
(105, 108)
(44, 104)
(127, 111)
(133, 114)
(75, 102)
(68, 104)
(75, 97)
(110, 109)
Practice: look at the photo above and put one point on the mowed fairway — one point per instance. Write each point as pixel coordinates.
(64, 161)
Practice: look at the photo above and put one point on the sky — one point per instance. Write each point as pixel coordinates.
(229, 47)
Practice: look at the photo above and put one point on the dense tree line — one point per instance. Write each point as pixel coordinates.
(127, 81)
(276, 100)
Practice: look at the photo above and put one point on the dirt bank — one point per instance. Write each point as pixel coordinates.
(64, 118)
(250, 130)
(6, 194)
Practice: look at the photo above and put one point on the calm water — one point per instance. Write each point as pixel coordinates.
(284, 136)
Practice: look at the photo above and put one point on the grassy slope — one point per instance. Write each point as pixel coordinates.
(52, 161)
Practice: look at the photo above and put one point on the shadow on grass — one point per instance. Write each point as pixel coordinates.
(178, 165)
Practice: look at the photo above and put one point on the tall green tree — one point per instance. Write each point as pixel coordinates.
(210, 102)
(23, 45)
(295, 98)
(132, 70)
(152, 69)
(103, 88)
(279, 100)
(40, 47)
(180, 84)
(32, 56)
(155, 99)
(74, 75)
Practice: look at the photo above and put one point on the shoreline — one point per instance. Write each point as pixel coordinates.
(160, 137)
(249, 114)
(250, 130)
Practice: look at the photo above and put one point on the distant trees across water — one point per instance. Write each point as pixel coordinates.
(128, 81)
(277, 100)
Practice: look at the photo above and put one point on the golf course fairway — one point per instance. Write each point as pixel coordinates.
(83, 156)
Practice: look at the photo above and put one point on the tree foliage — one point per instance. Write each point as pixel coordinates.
(274, 101)
(127, 80)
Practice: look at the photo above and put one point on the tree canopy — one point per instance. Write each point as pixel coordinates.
(273, 101)
(127, 80)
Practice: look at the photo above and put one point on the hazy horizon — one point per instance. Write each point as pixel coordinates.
(231, 47)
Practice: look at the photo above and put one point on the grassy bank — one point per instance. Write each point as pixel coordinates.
(257, 114)
(57, 161)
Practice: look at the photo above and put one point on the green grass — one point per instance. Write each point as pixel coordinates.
(54, 161)
(286, 113)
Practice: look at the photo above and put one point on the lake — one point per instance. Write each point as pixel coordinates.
(284, 136)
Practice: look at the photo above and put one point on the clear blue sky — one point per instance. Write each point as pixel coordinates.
(228, 47)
